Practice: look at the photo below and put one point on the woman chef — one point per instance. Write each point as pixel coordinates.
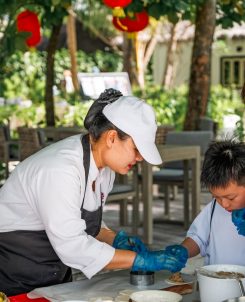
(51, 205)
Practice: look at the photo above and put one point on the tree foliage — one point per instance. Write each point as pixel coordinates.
(228, 11)
(53, 12)
(206, 14)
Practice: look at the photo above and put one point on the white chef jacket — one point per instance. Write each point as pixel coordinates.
(221, 244)
(45, 192)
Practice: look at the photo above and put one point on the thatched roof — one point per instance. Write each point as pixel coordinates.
(236, 32)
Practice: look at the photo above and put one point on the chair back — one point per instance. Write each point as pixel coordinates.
(29, 140)
(207, 124)
(3, 139)
(53, 134)
(161, 133)
(189, 138)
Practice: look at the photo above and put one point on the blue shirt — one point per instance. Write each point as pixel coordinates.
(219, 243)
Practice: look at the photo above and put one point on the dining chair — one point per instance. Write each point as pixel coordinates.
(9, 148)
(54, 134)
(161, 133)
(172, 173)
(208, 124)
(31, 140)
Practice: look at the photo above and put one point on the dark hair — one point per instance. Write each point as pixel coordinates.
(95, 121)
(224, 162)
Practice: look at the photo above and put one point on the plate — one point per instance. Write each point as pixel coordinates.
(156, 296)
(188, 279)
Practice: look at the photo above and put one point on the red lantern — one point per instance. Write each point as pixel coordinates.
(118, 25)
(138, 22)
(117, 3)
(28, 21)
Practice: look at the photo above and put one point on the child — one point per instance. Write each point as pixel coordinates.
(213, 234)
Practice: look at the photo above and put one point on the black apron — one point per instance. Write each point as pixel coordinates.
(27, 259)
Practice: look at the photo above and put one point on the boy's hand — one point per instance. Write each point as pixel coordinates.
(157, 260)
(238, 218)
(124, 242)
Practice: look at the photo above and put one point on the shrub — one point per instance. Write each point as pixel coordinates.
(24, 73)
(170, 105)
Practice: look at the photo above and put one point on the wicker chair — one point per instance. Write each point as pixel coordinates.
(162, 131)
(53, 134)
(9, 148)
(30, 141)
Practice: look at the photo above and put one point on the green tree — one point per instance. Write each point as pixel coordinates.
(51, 13)
(206, 14)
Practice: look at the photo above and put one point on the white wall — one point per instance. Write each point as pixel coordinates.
(183, 60)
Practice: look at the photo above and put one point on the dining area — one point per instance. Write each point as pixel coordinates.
(118, 285)
(122, 151)
(137, 187)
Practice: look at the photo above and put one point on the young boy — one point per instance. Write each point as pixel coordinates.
(213, 233)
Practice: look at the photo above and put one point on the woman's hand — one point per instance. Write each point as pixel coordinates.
(132, 243)
(159, 260)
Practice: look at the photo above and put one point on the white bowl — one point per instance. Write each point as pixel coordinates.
(216, 290)
(155, 295)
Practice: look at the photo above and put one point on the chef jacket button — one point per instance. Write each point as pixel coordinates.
(55, 274)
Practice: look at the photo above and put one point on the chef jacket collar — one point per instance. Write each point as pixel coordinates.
(94, 172)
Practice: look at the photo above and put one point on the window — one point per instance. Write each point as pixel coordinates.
(233, 71)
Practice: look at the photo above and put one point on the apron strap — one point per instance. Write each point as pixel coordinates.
(212, 213)
(86, 160)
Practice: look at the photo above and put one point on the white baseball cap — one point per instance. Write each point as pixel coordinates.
(137, 119)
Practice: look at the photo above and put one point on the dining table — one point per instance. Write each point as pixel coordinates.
(187, 154)
(110, 286)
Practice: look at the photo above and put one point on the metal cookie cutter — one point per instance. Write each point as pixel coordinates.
(140, 278)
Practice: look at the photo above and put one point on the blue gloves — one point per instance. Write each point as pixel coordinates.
(238, 218)
(173, 259)
(178, 251)
(124, 242)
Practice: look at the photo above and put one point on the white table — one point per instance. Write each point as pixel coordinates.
(108, 284)
(172, 153)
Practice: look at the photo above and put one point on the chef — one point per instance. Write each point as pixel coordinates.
(51, 205)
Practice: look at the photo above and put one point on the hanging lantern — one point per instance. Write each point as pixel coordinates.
(117, 3)
(27, 21)
(117, 6)
(132, 24)
(116, 21)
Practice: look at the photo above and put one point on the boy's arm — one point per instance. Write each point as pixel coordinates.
(191, 246)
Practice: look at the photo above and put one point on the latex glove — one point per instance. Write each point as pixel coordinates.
(238, 218)
(178, 251)
(124, 242)
(157, 260)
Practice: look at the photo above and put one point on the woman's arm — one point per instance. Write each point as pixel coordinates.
(106, 235)
(192, 247)
(122, 259)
